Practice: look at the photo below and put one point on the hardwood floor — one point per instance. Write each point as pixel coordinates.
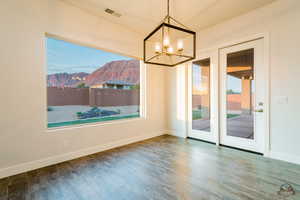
(161, 168)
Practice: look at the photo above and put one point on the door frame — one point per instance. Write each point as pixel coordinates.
(215, 50)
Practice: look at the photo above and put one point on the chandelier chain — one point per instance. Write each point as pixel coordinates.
(168, 13)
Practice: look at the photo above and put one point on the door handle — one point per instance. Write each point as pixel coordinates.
(259, 110)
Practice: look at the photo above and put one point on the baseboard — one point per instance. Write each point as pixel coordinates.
(169, 132)
(176, 133)
(28, 166)
(285, 157)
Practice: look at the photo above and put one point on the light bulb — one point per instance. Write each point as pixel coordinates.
(157, 48)
(170, 50)
(180, 45)
(166, 42)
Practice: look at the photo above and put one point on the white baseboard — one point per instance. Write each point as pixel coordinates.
(176, 133)
(285, 157)
(28, 166)
(271, 154)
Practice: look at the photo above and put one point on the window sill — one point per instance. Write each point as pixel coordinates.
(95, 124)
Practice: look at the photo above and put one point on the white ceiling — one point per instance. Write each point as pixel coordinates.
(144, 15)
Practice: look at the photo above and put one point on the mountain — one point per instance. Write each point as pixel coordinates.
(65, 79)
(121, 70)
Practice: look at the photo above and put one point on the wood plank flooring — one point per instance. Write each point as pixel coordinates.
(161, 168)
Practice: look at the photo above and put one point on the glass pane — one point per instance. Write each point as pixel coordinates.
(240, 89)
(201, 95)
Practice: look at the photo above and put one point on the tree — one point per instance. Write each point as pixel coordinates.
(135, 87)
(81, 85)
(230, 91)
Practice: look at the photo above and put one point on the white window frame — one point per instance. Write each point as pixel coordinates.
(143, 88)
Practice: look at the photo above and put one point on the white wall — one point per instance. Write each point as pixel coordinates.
(281, 21)
(25, 142)
(177, 100)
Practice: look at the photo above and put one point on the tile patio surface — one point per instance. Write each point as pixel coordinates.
(240, 126)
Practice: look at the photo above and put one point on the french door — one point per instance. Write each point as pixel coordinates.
(203, 97)
(227, 92)
(242, 96)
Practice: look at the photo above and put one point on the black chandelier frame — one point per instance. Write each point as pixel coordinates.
(167, 23)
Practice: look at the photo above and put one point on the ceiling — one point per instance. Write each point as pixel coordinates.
(144, 15)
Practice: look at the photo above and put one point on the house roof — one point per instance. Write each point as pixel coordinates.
(117, 82)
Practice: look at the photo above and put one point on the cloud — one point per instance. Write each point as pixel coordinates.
(60, 68)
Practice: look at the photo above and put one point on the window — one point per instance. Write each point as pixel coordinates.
(87, 85)
(201, 95)
(240, 94)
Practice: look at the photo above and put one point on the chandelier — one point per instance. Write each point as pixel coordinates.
(170, 44)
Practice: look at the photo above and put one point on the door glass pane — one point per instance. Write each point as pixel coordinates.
(240, 87)
(201, 95)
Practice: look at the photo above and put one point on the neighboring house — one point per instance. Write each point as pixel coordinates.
(114, 84)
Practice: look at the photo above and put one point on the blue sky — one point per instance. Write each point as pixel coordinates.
(68, 57)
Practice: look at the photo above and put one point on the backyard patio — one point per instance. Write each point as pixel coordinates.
(237, 125)
(69, 114)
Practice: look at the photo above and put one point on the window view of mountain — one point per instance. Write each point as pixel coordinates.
(121, 70)
(89, 85)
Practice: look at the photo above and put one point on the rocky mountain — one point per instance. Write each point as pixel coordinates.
(121, 70)
(65, 79)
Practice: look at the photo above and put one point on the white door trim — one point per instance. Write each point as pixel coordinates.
(257, 143)
(266, 59)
